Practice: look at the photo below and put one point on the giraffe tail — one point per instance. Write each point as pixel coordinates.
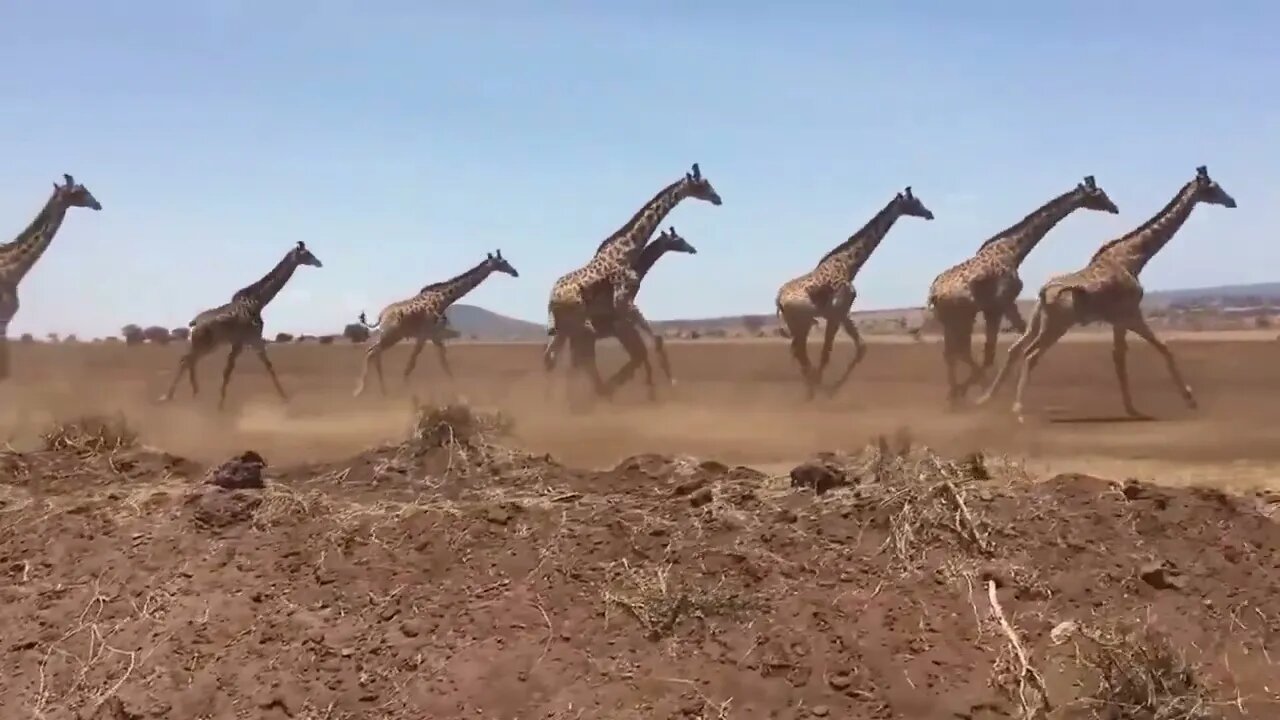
(551, 324)
(365, 321)
(782, 322)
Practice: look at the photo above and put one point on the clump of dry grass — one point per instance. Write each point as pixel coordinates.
(659, 602)
(1140, 674)
(457, 425)
(90, 435)
(924, 496)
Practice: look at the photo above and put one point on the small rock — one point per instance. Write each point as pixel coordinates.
(821, 476)
(820, 711)
(701, 497)
(498, 515)
(786, 516)
(839, 681)
(243, 472)
(689, 487)
(1162, 576)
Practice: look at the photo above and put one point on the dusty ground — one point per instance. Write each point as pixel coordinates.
(463, 574)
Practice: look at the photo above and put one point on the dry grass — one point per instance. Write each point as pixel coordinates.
(1140, 675)
(659, 601)
(90, 435)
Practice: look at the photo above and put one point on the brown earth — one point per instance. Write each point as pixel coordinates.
(461, 573)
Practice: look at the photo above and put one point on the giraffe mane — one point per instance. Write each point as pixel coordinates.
(626, 228)
(445, 283)
(1024, 221)
(859, 234)
(1144, 227)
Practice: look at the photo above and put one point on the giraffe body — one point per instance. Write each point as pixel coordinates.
(238, 323)
(988, 284)
(20, 255)
(613, 266)
(606, 321)
(1108, 290)
(827, 292)
(422, 318)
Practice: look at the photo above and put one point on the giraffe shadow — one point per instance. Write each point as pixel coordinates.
(1100, 419)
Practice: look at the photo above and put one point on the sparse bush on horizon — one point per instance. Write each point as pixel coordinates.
(180, 333)
(132, 334)
(327, 339)
(157, 335)
(27, 338)
(356, 333)
(284, 337)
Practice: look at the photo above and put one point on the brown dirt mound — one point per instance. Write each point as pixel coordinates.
(453, 576)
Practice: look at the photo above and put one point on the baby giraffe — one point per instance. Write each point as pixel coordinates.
(422, 318)
(239, 323)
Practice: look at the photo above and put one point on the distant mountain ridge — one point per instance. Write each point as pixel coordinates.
(477, 322)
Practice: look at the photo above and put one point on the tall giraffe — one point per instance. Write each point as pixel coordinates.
(239, 323)
(19, 256)
(988, 283)
(1108, 290)
(628, 331)
(827, 291)
(422, 317)
(614, 263)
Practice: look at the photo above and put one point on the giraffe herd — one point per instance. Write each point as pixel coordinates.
(597, 300)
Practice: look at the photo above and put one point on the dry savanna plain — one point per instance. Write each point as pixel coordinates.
(470, 548)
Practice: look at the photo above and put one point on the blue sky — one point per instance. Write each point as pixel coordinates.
(402, 140)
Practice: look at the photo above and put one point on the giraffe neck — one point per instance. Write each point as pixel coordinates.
(1017, 241)
(1134, 250)
(632, 236)
(265, 290)
(19, 256)
(849, 256)
(648, 256)
(449, 291)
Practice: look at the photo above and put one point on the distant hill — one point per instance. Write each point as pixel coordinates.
(477, 322)
(472, 321)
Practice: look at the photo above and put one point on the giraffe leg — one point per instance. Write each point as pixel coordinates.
(582, 358)
(1119, 353)
(200, 346)
(260, 349)
(1051, 331)
(859, 352)
(373, 354)
(637, 357)
(798, 327)
(418, 342)
(8, 309)
(659, 346)
(550, 355)
(828, 341)
(991, 329)
(1016, 352)
(1138, 325)
(236, 347)
(443, 357)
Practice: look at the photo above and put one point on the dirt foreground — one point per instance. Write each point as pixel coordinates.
(452, 576)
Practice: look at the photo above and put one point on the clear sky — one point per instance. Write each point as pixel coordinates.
(403, 139)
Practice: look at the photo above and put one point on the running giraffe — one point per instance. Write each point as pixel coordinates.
(422, 318)
(239, 323)
(988, 283)
(1108, 290)
(827, 292)
(614, 263)
(628, 331)
(19, 256)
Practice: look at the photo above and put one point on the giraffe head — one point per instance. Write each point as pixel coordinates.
(700, 187)
(672, 242)
(1093, 197)
(302, 256)
(497, 263)
(909, 204)
(74, 194)
(1207, 190)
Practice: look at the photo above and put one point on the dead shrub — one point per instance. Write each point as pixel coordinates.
(90, 435)
(1140, 675)
(659, 602)
(457, 426)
